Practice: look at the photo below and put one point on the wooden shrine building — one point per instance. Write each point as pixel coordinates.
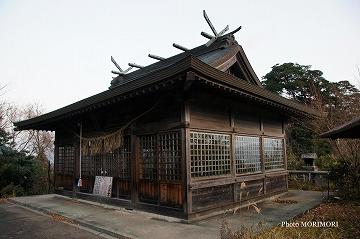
(188, 136)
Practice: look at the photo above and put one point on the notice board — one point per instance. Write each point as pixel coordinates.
(103, 186)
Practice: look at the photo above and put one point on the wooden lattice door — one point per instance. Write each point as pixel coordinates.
(148, 183)
(115, 164)
(160, 172)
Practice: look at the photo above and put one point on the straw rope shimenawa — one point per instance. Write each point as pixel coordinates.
(109, 142)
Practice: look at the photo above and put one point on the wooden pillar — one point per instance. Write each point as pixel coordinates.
(185, 135)
(186, 160)
(188, 206)
(262, 160)
(157, 165)
(56, 159)
(233, 163)
(285, 163)
(134, 166)
(232, 119)
(75, 166)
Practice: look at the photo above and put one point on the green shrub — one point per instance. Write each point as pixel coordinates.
(346, 177)
(293, 161)
(11, 190)
(21, 174)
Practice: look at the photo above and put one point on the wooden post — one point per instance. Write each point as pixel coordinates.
(232, 163)
(232, 148)
(186, 164)
(134, 172)
(262, 160)
(48, 175)
(285, 163)
(262, 156)
(157, 163)
(284, 152)
(75, 167)
(184, 171)
(232, 119)
(56, 155)
(188, 171)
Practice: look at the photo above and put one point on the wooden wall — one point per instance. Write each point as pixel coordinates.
(165, 116)
(201, 111)
(208, 112)
(215, 113)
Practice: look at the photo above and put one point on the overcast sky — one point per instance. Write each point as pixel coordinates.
(57, 52)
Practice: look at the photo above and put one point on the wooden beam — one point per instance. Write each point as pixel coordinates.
(156, 57)
(180, 47)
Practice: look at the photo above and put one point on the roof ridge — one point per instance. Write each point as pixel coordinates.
(220, 43)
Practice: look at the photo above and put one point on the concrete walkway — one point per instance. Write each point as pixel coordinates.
(121, 223)
(17, 222)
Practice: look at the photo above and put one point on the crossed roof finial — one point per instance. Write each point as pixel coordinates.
(121, 71)
(216, 34)
(212, 39)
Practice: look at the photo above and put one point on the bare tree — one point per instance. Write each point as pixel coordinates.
(346, 166)
(35, 142)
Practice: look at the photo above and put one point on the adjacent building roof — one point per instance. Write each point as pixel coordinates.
(349, 130)
(224, 63)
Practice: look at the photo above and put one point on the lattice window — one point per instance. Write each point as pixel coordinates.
(110, 163)
(66, 157)
(148, 158)
(274, 153)
(98, 164)
(247, 154)
(210, 154)
(114, 164)
(170, 156)
(87, 166)
(124, 157)
(59, 166)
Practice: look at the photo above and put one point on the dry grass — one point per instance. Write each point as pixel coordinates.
(278, 200)
(59, 218)
(3, 200)
(300, 184)
(346, 214)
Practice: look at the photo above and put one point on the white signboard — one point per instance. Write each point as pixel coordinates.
(103, 186)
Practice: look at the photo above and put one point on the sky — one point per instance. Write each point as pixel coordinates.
(57, 52)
